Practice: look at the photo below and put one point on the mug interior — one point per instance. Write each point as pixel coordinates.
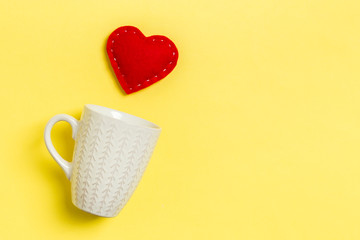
(125, 117)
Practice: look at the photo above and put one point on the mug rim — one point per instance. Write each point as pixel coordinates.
(122, 116)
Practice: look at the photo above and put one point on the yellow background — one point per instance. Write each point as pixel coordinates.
(260, 118)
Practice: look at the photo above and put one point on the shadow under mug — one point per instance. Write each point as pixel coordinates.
(112, 150)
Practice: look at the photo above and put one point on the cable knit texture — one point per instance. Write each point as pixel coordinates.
(109, 160)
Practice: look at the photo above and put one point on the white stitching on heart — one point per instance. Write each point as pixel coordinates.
(148, 80)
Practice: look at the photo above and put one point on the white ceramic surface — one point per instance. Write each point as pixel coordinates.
(112, 150)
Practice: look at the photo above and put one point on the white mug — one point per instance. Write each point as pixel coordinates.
(112, 150)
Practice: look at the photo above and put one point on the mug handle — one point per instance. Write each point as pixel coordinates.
(65, 165)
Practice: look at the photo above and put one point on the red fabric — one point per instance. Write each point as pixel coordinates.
(140, 61)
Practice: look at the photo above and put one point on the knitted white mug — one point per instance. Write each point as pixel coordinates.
(112, 150)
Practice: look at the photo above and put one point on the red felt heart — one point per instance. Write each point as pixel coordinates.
(140, 61)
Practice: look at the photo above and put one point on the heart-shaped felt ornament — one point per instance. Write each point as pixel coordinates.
(140, 61)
